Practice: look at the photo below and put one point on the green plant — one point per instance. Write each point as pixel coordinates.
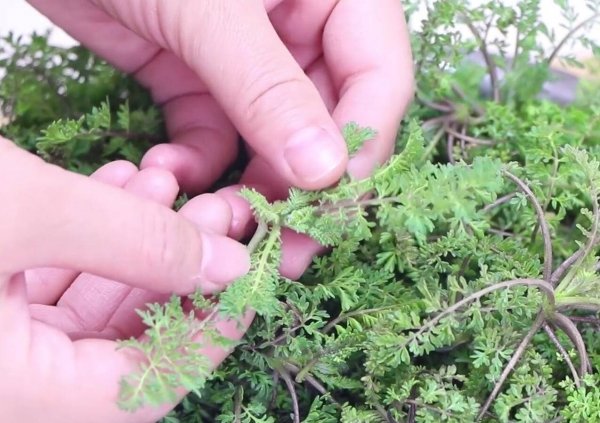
(462, 279)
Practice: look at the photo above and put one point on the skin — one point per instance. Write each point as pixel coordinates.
(285, 75)
(59, 360)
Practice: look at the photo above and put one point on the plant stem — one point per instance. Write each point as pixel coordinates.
(512, 363)
(542, 285)
(293, 396)
(238, 405)
(542, 222)
(259, 235)
(564, 266)
(489, 62)
(434, 105)
(434, 142)
(563, 353)
(570, 329)
(472, 140)
(450, 144)
(587, 320)
(566, 38)
(580, 255)
(550, 191)
(504, 199)
(311, 380)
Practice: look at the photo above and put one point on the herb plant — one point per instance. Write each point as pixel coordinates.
(462, 281)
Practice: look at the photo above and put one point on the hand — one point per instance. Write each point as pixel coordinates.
(275, 70)
(285, 74)
(58, 356)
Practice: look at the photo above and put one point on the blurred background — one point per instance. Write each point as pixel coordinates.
(18, 16)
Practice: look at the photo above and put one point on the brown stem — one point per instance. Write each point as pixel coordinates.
(563, 353)
(280, 338)
(450, 145)
(511, 364)
(586, 249)
(569, 34)
(237, 409)
(489, 62)
(564, 266)
(548, 194)
(434, 105)
(312, 381)
(504, 199)
(473, 140)
(547, 273)
(587, 320)
(293, 396)
(570, 329)
(274, 391)
(463, 142)
(517, 47)
(437, 121)
(384, 413)
(542, 285)
(500, 232)
(412, 413)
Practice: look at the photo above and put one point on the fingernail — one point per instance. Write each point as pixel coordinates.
(223, 259)
(313, 154)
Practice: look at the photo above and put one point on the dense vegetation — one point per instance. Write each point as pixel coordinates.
(462, 283)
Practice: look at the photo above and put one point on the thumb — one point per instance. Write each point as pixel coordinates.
(236, 51)
(51, 217)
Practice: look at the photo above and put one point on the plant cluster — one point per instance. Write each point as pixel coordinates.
(462, 279)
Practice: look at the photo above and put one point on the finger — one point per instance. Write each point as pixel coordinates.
(82, 379)
(89, 302)
(103, 382)
(372, 66)
(45, 286)
(208, 130)
(14, 318)
(300, 25)
(203, 142)
(239, 56)
(105, 231)
(297, 253)
(318, 73)
(209, 213)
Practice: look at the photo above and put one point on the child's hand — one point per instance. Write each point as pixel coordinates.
(58, 356)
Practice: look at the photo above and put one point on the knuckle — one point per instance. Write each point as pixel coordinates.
(272, 92)
(162, 241)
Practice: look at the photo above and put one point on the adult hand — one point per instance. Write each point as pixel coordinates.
(286, 74)
(58, 355)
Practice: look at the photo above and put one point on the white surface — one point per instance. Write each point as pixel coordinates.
(22, 19)
(18, 16)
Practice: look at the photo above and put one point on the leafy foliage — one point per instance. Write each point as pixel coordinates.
(72, 108)
(461, 283)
